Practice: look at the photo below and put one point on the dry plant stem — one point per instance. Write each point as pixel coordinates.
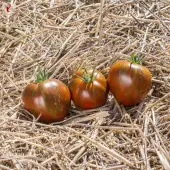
(104, 149)
(39, 146)
(129, 46)
(61, 50)
(161, 156)
(65, 22)
(55, 7)
(66, 56)
(99, 28)
(147, 164)
(139, 19)
(33, 162)
(161, 142)
(113, 128)
(161, 21)
(118, 106)
(17, 164)
(154, 104)
(57, 28)
(5, 167)
(60, 165)
(144, 40)
(165, 117)
(139, 110)
(112, 6)
(77, 147)
(154, 123)
(82, 150)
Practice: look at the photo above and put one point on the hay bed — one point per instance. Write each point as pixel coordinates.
(61, 36)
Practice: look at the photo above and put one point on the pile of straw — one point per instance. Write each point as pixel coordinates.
(62, 36)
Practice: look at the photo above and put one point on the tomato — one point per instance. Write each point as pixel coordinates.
(129, 81)
(49, 100)
(89, 89)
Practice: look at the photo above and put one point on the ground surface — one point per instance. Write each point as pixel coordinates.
(61, 36)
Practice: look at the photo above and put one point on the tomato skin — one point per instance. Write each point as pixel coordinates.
(88, 95)
(129, 82)
(50, 98)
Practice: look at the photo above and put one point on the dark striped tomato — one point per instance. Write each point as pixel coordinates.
(88, 89)
(129, 82)
(49, 100)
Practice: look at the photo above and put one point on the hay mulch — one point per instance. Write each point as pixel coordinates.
(62, 36)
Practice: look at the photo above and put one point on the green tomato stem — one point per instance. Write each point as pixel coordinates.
(135, 58)
(92, 75)
(42, 75)
(86, 77)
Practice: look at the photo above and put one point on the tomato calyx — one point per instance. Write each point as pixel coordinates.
(135, 58)
(86, 77)
(42, 75)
